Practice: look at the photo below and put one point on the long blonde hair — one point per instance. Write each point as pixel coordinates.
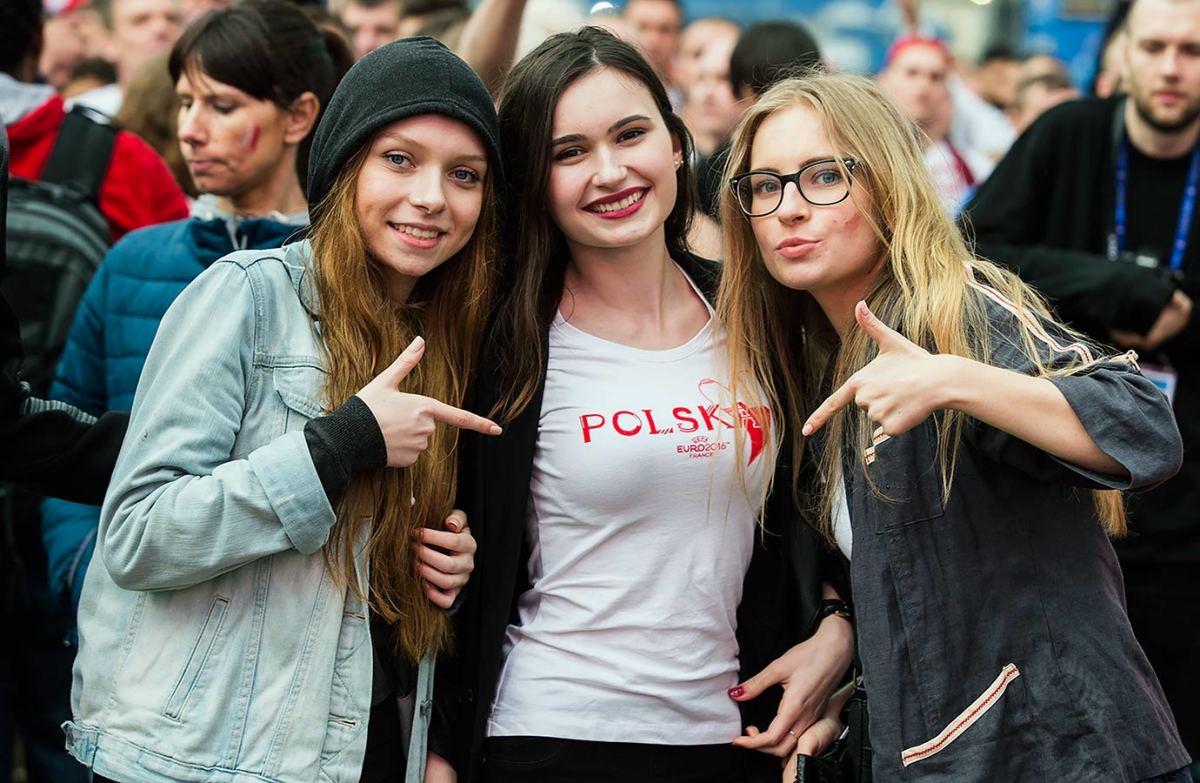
(363, 331)
(926, 289)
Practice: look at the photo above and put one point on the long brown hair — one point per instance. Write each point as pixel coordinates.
(363, 331)
(535, 249)
(927, 289)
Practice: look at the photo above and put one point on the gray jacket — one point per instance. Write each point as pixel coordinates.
(992, 630)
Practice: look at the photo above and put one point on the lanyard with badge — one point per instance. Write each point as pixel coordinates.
(1162, 375)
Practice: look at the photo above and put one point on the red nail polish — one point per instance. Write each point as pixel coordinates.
(737, 692)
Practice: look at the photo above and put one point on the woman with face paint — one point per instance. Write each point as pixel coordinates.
(968, 448)
(292, 442)
(251, 82)
(624, 582)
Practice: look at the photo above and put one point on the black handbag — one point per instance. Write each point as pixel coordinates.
(848, 760)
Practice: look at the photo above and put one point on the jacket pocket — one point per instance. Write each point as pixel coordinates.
(299, 388)
(904, 479)
(964, 719)
(196, 660)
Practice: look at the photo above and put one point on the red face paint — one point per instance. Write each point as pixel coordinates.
(250, 141)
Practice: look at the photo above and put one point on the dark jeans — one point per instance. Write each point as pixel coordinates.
(37, 653)
(549, 760)
(384, 760)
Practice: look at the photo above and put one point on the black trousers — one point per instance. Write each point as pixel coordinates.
(550, 760)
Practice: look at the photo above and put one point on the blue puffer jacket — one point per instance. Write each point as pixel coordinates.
(115, 324)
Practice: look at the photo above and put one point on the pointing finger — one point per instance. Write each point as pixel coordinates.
(409, 358)
(887, 338)
(466, 420)
(829, 408)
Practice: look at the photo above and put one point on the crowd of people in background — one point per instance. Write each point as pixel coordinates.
(167, 136)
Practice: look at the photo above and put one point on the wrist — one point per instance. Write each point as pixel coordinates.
(833, 621)
(835, 635)
(955, 381)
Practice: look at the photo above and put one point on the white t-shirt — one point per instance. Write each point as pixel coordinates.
(640, 534)
(843, 535)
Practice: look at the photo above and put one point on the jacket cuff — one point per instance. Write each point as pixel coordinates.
(1124, 433)
(290, 481)
(346, 442)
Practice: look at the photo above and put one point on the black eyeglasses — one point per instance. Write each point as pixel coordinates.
(822, 183)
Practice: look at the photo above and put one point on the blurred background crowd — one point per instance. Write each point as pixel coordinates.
(973, 75)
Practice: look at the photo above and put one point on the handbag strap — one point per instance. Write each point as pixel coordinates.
(418, 743)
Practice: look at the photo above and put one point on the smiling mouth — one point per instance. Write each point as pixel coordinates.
(419, 233)
(607, 207)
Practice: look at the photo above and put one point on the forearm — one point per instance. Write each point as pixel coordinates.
(489, 40)
(1032, 409)
(160, 530)
(836, 631)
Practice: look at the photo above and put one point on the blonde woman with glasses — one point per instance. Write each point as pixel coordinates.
(970, 453)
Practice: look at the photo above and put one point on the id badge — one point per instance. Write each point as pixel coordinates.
(1165, 378)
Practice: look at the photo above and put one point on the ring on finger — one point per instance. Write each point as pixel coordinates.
(793, 734)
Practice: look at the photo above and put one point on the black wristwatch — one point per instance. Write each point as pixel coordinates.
(832, 606)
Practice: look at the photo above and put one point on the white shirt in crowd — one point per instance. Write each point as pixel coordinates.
(641, 531)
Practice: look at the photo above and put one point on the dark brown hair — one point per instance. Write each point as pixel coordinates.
(535, 251)
(268, 49)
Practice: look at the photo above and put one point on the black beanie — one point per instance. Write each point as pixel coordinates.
(404, 78)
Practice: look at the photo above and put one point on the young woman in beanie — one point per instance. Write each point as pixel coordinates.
(623, 580)
(292, 437)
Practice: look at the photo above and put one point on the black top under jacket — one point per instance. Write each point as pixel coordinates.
(781, 592)
(1047, 212)
(991, 623)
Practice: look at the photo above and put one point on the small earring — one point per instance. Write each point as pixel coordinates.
(678, 162)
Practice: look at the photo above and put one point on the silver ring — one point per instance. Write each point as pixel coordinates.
(793, 733)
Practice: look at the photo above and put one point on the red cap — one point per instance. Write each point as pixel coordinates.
(56, 7)
(914, 40)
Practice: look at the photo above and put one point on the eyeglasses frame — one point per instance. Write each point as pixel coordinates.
(849, 163)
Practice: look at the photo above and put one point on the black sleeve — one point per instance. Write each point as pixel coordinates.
(50, 448)
(60, 451)
(345, 442)
(1008, 220)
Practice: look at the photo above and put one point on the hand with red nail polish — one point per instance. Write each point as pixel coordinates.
(809, 673)
(445, 559)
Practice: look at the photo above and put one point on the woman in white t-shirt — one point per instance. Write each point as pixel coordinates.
(623, 582)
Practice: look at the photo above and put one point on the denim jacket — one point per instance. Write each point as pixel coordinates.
(214, 644)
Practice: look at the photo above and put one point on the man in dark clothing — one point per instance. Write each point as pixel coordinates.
(50, 448)
(57, 450)
(1094, 205)
(46, 447)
